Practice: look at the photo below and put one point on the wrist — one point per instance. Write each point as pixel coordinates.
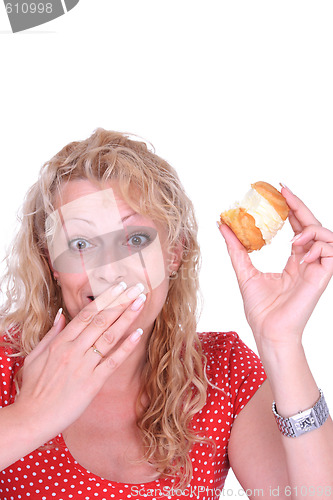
(291, 380)
(19, 435)
(34, 428)
(305, 420)
(281, 359)
(278, 346)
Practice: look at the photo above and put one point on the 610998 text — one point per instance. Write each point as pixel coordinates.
(29, 8)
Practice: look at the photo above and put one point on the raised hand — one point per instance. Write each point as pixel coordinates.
(278, 306)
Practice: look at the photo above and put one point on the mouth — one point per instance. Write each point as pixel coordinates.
(91, 297)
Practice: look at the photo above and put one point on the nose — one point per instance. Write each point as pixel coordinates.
(109, 273)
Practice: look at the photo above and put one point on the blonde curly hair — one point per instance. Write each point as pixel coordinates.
(174, 376)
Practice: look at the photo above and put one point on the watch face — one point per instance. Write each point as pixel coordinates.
(305, 421)
(305, 424)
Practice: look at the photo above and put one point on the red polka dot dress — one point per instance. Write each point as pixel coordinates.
(53, 473)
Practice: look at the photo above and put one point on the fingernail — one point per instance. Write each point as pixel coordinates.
(134, 292)
(218, 224)
(56, 319)
(120, 287)
(136, 335)
(296, 237)
(305, 256)
(285, 187)
(138, 302)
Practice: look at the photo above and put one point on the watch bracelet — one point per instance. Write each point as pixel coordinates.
(320, 409)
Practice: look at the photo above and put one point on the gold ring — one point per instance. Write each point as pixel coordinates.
(94, 348)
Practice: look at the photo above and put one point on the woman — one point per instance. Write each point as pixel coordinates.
(118, 396)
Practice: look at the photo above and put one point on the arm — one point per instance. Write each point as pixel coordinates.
(259, 459)
(20, 433)
(254, 436)
(309, 457)
(277, 308)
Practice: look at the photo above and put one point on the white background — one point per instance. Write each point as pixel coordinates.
(228, 92)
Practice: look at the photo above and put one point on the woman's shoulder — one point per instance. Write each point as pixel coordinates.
(217, 338)
(226, 348)
(232, 366)
(217, 344)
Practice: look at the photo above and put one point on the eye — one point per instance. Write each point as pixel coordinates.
(79, 244)
(138, 240)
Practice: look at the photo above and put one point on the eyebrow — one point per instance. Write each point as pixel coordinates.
(93, 223)
(128, 216)
(80, 219)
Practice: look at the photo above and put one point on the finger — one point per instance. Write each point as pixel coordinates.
(302, 213)
(304, 241)
(102, 321)
(296, 226)
(240, 259)
(86, 315)
(105, 368)
(313, 233)
(50, 335)
(111, 336)
(322, 251)
(109, 297)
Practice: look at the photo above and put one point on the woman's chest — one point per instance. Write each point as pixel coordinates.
(111, 449)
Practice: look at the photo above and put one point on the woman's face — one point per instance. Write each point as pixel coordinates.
(96, 240)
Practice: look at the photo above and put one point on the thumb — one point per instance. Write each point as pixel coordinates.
(239, 257)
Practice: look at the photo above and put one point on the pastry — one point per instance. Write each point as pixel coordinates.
(258, 217)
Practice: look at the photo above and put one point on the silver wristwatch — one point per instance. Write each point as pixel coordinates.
(303, 421)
